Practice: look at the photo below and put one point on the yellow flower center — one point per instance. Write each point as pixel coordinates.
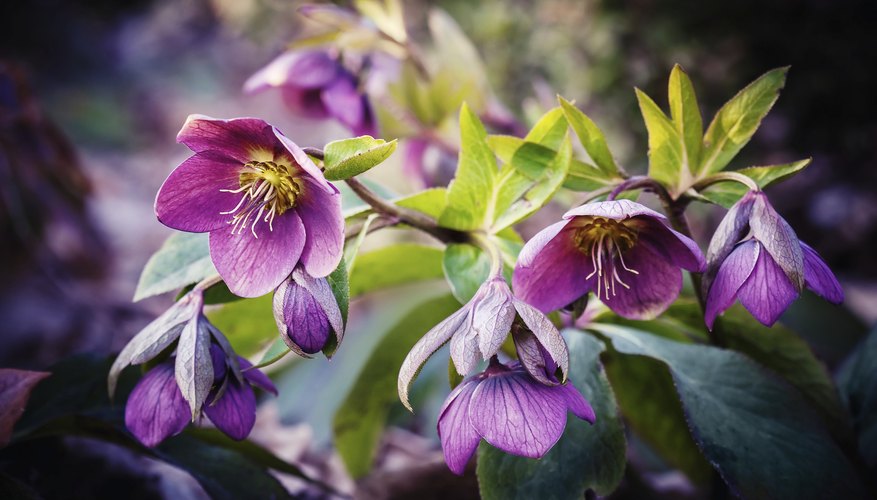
(268, 189)
(605, 241)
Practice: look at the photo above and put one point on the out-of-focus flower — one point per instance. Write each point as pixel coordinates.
(756, 257)
(316, 85)
(508, 409)
(621, 250)
(427, 164)
(306, 313)
(477, 331)
(265, 204)
(157, 410)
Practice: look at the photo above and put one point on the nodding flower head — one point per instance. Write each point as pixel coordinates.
(316, 85)
(265, 204)
(756, 257)
(619, 249)
(477, 331)
(510, 410)
(307, 313)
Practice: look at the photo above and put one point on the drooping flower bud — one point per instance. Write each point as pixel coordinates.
(307, 313)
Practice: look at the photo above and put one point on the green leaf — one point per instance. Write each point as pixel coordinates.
(466, 267)
(686, 117)
(738, 119)
(275, 352)
(585, 177)
(350, 157)
(784, 352)
(360, 421)
(591, 137)
(666, 155)
(727, 193)
(586, 456)
(470, 201)
(429, 201)
(248, 323)
(183, 259)
(759, 432)
(339, 281)
(857, 380)
(550, 130)
(647, 398)
(395, 265)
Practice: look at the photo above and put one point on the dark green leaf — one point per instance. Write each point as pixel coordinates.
(183, 259)
(738, 119)
(857, 380)
(360, 420)
(758, 431)
(586, 457)
(466, 267)
(395, 265)
(350, 157)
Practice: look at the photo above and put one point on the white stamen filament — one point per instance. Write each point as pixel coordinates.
(268, 190)
(607, 258)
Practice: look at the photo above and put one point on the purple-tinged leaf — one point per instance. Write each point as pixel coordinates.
(15, 389)
(194, 365)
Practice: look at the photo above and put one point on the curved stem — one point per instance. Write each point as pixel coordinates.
(483, 242)
(208, 282)
(642, 181)
(724, 177)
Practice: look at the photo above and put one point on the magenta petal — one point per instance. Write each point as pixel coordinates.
(236, 138)
(458, 436)
(819, 277)
(307, 103)
(651, 291)
(256, 376)
(613, 209)
(344, 102)
(305, 323)
(235, 411)
(190, 199)
(733, 272)
(320, 213)
(306, 70)
(576, 403)
(306, 164)
(677, 248)
(253, 266)
(156, 409)
(551, 271)
(768, 292)
(517, 415)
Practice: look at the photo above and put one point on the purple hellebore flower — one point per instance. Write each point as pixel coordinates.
(756, 257)
(621, 250)
(428, 164)
(265, 204)
(306, 313)
(316, 85)
(157, 410)
(508, 409)
(477, 331)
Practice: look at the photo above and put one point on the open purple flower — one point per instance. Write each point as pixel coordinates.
(265, 204)
(157, 410)
(756, 257)
(619, 249)
(307, 313)
(508, 409)
(477, 331)
(316, 85)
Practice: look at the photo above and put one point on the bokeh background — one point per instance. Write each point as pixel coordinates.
(92, 94)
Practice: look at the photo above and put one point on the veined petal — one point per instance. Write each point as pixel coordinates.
(551, 271)
(307, 70)
(191, 198)
(534, 358)
(576, 403)
(767, 293)
(156, 409)
(303, 322)
(613, 209)
(464, 346)
(458, 436)
(734, 271)
(320, 213)
(253, 266)
(320, 289)
(819, 277)
(676, 248)
(492, 316)
(424, 348)
(193, 366)
(256, 377)
(517, 415)
(236, 138)
(731, 230)
(546, 333)
(779, 240)
(651, 291)
(234, 413)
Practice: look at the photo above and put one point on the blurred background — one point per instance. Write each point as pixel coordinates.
(92, 94)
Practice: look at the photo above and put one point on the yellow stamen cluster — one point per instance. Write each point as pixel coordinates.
(269, 189)
(605, 241)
